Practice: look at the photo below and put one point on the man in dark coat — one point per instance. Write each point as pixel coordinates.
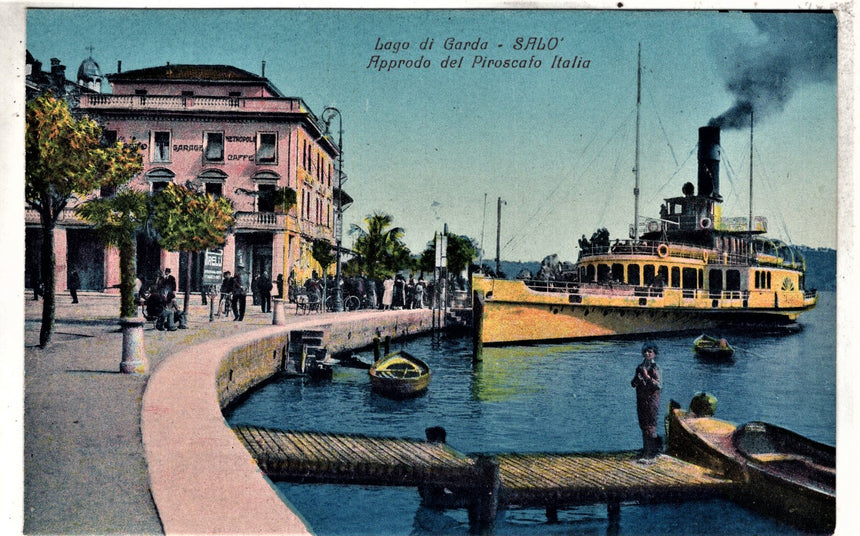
(648, 383)
(239, 297)
(168, 283)
(264, 289)
(74, 285)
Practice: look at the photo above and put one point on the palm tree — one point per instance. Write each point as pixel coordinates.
(380, 246)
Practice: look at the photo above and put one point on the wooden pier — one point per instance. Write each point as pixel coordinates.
(482, 484)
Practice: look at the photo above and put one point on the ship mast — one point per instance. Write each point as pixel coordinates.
(636, 163)
(751, 174)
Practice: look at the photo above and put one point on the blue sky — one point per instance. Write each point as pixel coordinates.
(429, 145)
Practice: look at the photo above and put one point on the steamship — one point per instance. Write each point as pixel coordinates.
(687, 270)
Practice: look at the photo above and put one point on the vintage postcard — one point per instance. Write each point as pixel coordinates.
(509, 270)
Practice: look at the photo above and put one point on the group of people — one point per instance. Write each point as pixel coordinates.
(159, 302)
(234, 294)
(397, 293)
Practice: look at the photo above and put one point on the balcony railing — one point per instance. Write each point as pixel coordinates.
(261, 221)
(194, 103)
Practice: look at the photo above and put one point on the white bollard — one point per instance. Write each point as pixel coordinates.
(134, 360)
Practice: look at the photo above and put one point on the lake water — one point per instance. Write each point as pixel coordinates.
(554, 398)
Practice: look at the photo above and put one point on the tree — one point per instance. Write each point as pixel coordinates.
(117, 221)
(321, 252)
(461, 251)
(191, 222)
(380, 246)
(65, 159)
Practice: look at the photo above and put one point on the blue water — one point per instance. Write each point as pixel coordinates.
(554, 398)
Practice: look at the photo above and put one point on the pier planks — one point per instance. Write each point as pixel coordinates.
(526, 480)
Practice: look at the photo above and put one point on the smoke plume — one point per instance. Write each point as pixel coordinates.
(792, 49)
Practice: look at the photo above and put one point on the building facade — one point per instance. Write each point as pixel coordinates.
(226, 132)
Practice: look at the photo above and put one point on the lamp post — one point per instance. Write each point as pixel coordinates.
(331, 111)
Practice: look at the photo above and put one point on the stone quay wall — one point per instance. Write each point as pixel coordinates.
(247, 366)
(202, 479)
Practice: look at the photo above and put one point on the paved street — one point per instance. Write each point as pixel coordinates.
(84, 469)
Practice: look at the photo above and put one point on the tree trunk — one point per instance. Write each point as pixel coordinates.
(127, 278)
(187, 283)
(49, 262)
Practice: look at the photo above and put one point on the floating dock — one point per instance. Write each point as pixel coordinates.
(482, 483)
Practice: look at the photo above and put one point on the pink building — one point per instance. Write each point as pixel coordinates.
(227, 132)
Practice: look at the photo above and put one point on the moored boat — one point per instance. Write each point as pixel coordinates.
(688, 269)
(778, 472)
(399, 375)
(712, 347)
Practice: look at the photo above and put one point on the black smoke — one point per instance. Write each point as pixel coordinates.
(791, 49)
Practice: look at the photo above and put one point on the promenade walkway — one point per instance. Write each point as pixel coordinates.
(85, 469)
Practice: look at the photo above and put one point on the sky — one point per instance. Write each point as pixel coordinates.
(435, 145)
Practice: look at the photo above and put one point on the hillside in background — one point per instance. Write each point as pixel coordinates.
(820, 267)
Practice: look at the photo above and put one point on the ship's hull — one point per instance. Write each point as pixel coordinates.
(507, 312)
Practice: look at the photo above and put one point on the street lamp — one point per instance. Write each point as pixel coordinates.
(331, 111)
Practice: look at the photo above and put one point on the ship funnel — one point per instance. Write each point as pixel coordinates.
(709, 162)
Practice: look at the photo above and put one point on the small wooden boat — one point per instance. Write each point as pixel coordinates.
(778, 472)
(399, 375)
(712, 347)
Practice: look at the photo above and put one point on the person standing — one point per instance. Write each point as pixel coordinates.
(387, 293)
(168, 283)
(418, 302)
(279, 282)
(239, 297)
(264, 287)
(74, 284)
(226, 299)
(399, 292)
(648, 381)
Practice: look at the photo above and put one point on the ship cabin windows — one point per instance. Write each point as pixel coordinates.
(762, 279)
(733, 280)
(603, 273)
(633, 275)
(662, 276)
(650, 275)
(618, 272)
(690, 279)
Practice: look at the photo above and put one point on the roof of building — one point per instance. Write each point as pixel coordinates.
(193, 73)
(89, 70)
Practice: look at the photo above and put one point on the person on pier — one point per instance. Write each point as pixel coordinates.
(648, 381)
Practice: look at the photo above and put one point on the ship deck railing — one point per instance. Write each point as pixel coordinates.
(638, 291)
(711, 255)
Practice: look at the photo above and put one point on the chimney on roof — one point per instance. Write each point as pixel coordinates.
(264, 69)
(58, 72)
(118, 66)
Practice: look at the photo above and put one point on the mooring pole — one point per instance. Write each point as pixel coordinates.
(485, 502)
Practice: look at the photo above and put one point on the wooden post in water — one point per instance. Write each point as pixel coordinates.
(485, 500)
(376, 350)
(433, 496)
(613, 510)
(477, 326)
(387, 344)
